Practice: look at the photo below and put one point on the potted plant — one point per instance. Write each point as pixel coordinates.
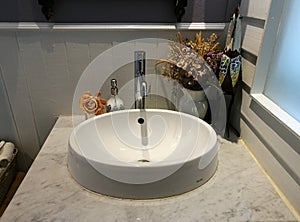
(191, 63)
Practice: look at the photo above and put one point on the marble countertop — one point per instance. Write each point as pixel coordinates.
(239, 191)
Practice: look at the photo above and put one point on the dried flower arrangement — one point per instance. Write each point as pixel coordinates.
(183, 62)
(92, 104)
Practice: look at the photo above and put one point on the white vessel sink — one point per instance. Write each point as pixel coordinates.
(142, 154)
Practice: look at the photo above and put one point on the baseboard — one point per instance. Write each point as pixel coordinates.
(284, 184)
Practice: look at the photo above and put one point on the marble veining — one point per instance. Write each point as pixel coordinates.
(238, 191)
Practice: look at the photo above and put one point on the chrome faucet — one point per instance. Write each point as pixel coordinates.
(140, 84)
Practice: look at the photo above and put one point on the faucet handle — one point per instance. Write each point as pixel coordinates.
(143, 88)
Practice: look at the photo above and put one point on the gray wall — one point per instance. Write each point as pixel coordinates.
(209, 10)
(118, 11)
(274, 146)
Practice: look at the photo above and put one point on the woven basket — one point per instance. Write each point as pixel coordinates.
(7, 175)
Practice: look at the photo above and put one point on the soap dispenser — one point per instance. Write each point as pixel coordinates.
(115, 102)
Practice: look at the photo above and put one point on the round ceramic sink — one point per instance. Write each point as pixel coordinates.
(142, 154)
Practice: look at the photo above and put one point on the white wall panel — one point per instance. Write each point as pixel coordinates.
(283, 180)
(8, 130)
(277, 157)
(78, 54)
(248, 72)
(32, 58)
(19, 96)
(255, 8)
(287, 154)
(252, 38)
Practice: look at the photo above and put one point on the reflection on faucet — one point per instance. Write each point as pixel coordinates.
(143, 93)
(140, 84)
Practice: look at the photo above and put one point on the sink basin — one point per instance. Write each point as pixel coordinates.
(142, 154)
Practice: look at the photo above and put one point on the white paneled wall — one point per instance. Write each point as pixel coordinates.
(249, 71)
(278, 158)
(255, 8)
(7, 125)
(39, 72)
(15, 84)
(252, 38)
(254, 13)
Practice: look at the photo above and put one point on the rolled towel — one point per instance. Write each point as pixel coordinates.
(2, 142)
(6, 154)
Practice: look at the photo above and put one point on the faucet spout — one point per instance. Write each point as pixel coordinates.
(140, 88)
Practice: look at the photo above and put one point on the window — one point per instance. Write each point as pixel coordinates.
(277, 81)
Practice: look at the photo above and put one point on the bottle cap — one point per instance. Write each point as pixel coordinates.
(113, 83)
(114, 89)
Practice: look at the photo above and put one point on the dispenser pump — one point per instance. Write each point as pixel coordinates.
(115, 103)
(114, 89)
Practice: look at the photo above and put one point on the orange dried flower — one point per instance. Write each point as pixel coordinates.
(92, 104)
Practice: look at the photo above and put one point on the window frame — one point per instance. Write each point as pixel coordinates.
(263, 67)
